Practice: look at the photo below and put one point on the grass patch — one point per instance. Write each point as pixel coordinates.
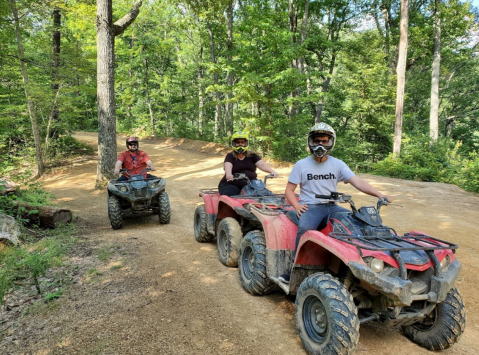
(93, 276)
(119, 265)
(105, 253)
(40, 308)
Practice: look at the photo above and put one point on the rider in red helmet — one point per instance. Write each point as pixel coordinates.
(133, 159)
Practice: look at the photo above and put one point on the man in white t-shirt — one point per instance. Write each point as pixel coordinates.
(319, 174)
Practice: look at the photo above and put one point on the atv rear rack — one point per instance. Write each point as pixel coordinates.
(209, 191)
(271, 209)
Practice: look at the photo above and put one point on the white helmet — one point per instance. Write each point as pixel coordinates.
(320, 150)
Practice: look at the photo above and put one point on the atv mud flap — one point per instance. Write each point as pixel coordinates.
(400, 291)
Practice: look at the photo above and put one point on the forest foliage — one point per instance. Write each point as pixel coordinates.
(202, 69)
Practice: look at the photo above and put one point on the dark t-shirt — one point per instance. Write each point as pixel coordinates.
(246, 166)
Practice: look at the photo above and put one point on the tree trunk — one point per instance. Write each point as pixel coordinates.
(56, 39)
(293, 27)
(26, 82)
(215, 78)
(326, 82)
(230, 77)
(105, 92)
(106, 32)
(200, 93)
(401, 77)
(436, 65)
(152, 119)
(304, 28)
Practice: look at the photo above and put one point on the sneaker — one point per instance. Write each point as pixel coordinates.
(284, 278)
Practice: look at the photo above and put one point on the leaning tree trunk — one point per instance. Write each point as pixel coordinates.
(56, 39)
(106, 32)
(401, 77)
(26, 82)
(436, 65)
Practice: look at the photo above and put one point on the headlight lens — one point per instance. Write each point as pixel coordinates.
(122, 188)
(154, 184)
(376, 264)
(445, 262)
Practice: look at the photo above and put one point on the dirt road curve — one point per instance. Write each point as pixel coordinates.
(164, 293)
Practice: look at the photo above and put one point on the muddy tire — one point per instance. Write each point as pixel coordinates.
(326, 316)
(252, 264)
(443, 326)
(200, 225)
(115, 214)
(164, 213)
(229, 238)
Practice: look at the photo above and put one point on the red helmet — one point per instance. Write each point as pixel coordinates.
(132, 140)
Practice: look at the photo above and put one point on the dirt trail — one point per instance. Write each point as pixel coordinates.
(164, 293)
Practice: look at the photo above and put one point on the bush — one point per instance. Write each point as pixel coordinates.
(439, 162)
(424, 161)
(468, 177)
(33, 258)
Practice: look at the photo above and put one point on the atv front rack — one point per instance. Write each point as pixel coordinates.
(395, 244)
(409, 241)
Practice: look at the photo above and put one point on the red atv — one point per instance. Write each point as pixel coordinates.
(354, 270)
(227, 219)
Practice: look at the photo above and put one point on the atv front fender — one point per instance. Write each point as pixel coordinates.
(210, 198)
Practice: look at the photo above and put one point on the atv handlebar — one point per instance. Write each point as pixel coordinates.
(147, 169)
(241, 176)
(343, 198)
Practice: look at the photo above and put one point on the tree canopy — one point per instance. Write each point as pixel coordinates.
(201, 69)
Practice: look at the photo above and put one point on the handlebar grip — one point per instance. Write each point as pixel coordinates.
(326, 197)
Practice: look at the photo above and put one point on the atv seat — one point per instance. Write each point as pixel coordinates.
(291, 214)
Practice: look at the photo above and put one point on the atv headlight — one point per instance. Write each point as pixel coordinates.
(445, 262)
(377, 265)
(154, 184)
(122, 188)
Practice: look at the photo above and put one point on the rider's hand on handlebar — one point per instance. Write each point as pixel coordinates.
(387, 198)
(229, 177)
(116, 172)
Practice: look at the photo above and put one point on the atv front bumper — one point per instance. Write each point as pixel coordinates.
(400, 291)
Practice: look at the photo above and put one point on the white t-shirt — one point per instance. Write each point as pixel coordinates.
(318, 178)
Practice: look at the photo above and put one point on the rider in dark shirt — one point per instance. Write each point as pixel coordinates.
(241, 160)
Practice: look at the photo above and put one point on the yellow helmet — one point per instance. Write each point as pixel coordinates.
(240, 149)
